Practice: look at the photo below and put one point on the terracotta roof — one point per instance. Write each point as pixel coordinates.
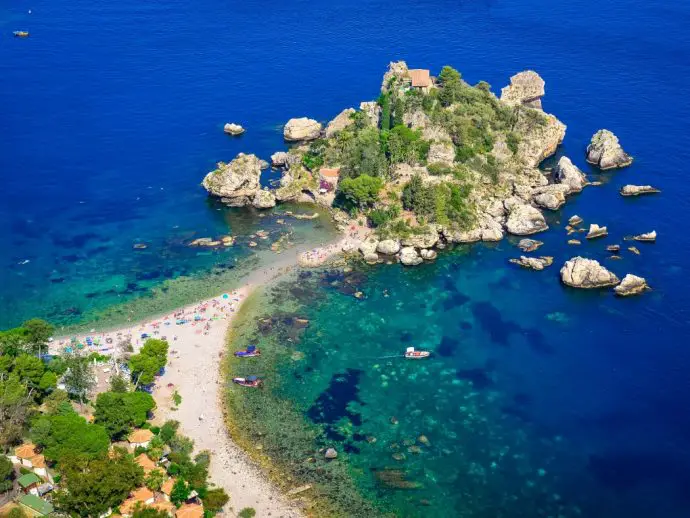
(166, 507)
(128, 506)
(140, 436)
(145, 462)
(38, 461)
(142, 494)
(420, 77)
(167, 486)
(333, 172)
(190, 511)
(25, 451)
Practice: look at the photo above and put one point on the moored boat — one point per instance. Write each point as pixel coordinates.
(249, 381)
(411, 354)
(21, 34)
(249, 352)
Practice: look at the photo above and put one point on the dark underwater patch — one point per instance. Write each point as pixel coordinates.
(71, 258)
(491, 320)
(465, 326)
(332, 404)
(447, 347)
(537, 341)
(77, 241)
(479, 377)
(147, 276)
(516, 411)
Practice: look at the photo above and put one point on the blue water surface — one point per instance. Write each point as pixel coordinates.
(111, 113)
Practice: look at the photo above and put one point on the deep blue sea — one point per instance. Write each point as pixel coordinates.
(111, 113)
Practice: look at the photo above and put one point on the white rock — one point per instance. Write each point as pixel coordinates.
(524, 220)
(233, 129)
(605, 152)
(636, 190)
(409, 256)
(579, 272)
(441, 153)
(525, 88)
(302, 129)
(264, 199)
(533, 263)
(596, 231)
(340, 122)
(631, 285)
(568, 174)
(428, 255)
(236, 182)
(388, 247)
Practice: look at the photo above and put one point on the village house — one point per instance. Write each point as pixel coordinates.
(166, 488)
(164, 506)
(140, 438)
(27, 457)
(328, 179)
(29, 483)
(143, 496)
(190, 511)
(34, 506)
(146, 463)
(420, 79)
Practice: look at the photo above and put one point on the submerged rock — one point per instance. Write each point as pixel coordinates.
(331, 453)
(236, 182)
(579, 272)
(636, 190)
(605, 152)
(301, 129)
(567, 173)
(529, 245)
(648, 237)
(233, 129)
(534, 263)
(596, 231)
(631, 285)
(525, 88)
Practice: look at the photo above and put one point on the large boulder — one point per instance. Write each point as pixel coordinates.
(551, 197)
(441, 153)
(341, 121)
(233, 129)
(283, 159)
(426, 238)
(491, 229)
(237, 182)
(396, 73)
(524, 219)
(631, 285)
(388, 247)
(462, 236)
(264, 199)
(372, 111)
(636, 190)
(579, 272)
(567, 173)
(533, 263)
(297, 130)
(409, 256)
(525, 88)
(428, 255)
(595, 231)
(605, 152)
(540, 134)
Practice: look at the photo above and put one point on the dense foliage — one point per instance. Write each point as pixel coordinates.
(152, 357)
(119, 412)
(361, 191)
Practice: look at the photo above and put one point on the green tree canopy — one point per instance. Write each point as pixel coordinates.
(215, 499)
(37, 334)
(180, 492)
(13, 341)
(361, 191)
(150, 360)
(91, 487)
(67, 435)
(6, 474)
(148, 512)
(78, 377)
(29, 369)
(450, 83)
(15, 403)
(118, 412)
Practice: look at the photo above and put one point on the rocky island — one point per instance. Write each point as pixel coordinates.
(433, 161)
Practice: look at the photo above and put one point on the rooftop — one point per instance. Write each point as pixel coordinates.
(140, 436)
(28, 480)
(38, 461)
(420, 77)
(37, 504)
(190, 511)
(167, 486)
(330, 172)
(25, 451)
(145, 462)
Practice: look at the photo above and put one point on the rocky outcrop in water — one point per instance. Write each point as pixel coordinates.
(524, 219)
(302, 129)
(428, 255)
(631, 285)
(579, 272)
(567, 173)
(647, 237)
(233, 129)
(283, 159)
(388, 247)
(605, 152)
(529, 245)
(533, 263)
(526, 89)
(596, 231)
(409, 256)
(237, 182)
(340, 122)
(264, 199)
(636, 190)
(551, 197)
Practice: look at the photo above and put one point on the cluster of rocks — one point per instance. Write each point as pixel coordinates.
(580, 272)
(238, 183)
(636, 190)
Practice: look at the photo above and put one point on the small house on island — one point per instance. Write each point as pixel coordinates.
(420, 79)
(140, 438)
(34, 506)
(29, 483)
(190, 511)
(328, 178)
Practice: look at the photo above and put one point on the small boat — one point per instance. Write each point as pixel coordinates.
(411, 354)
(249, 381)
(21, 34)
(249, 352)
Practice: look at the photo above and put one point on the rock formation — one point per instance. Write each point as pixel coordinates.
(441, 153)
(428, 255)
(636, 190)
(550, 197)
(388, 247)
(648, 237)
(372, 111)
(529, 245)
(525, 88)
(409, 256)
(540, 135)
(605, 152)
(568, 174)
(575, 220)
(341, 121)
(302, 129)
(524, 219)
(237, 183)
(596, 231)
(283, 159)
(534, 263)
(631, 285)
(425, 239)
(397, 72)
(579, 272)
(264, 199)
(233, 129)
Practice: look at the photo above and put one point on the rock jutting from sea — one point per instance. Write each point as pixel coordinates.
(435, 161)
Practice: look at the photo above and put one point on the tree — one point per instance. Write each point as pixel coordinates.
(154, 480)
(92, 487)
(148, 363)
(13, 341)
(399, 112)
(215, 499)
(247, 512)
(406, 145)
(16, 512)
(68, 435)
(15, 401)
(450, 85)
(48, 382)
(6, 474)
(78, 378)
(118, 384)
(180, 492)
(29, 369)
(168, 431)
(385, 102)
(361, 191)
(54, 401)
(37, 334)
(118, 412)
(141, 511)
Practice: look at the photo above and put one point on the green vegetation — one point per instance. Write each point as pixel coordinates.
(152, 357)
(6, 474)
(119, 412)
(405, 145)
(441, 203)
(31, 338)
(385, 103)
(362, 191)
(78, 377)
(154, 480)
(177, 398)
(215, 499)
(247, 512)
(450, 86)
(148, 512)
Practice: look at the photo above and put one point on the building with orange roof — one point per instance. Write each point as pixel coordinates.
(142, 495)
(190, 511)
(167, 487)
(23, 454)
(145, 462)
(38, 462)
(420, 78)
(140, 438)
(329, 177)
(164, 506)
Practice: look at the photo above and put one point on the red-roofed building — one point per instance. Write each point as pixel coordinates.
(420, 78)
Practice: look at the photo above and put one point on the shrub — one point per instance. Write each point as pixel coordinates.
(361, 191)
(512, 141)
(385, 103)
(247, 512)
(381, 216)
(439, 169)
